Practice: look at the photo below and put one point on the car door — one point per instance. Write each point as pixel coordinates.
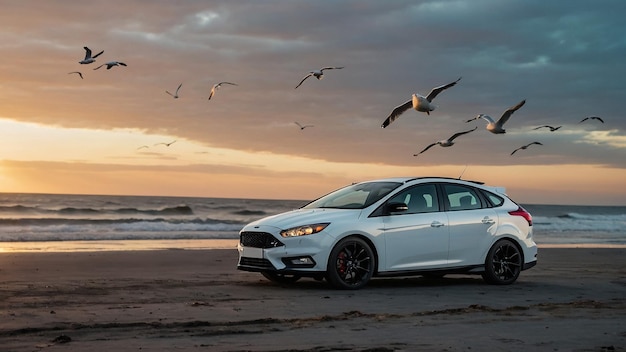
(471, 224)
(416, 238)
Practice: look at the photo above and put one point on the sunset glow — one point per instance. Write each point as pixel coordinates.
(102, 134)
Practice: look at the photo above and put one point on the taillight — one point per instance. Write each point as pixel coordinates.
(523, 213)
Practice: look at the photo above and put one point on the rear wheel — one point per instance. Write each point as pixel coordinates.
(281, 278)
(503, 264)
(351, 264)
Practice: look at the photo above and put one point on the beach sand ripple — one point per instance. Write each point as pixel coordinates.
(195, 300)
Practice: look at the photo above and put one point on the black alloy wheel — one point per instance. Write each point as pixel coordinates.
(503, 264)
(351, 264)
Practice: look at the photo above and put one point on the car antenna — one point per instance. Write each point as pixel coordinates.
(462, 172)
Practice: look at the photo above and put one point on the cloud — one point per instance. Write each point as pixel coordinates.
(564, 60)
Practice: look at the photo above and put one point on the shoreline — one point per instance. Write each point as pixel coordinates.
(196, 244)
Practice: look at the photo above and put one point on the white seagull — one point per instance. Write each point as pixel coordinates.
(446, 142)
(591, 118)
(175, 95)
(217, 86)
(302, 126)
(76, 72)
(88, 58)
(419, 103)
(319, 74)
(525, 147)
(111, 64)
(552, 128)
(496, 126)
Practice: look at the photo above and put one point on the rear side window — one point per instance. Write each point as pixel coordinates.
(460, 197)
(493, 199)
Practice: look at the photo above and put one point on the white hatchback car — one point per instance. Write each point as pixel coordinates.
(428, 226)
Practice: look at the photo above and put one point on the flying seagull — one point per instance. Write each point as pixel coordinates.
(175, 95)
(302, 126)
(524, 147)
(591, 118)
(496, 127)
(142, 147)
(217, 86)
(552, 129)
(88, 58)
(166, 144)
(419, 103)
(319, 74)
(76, 72)
(446, 142)
(111, 64)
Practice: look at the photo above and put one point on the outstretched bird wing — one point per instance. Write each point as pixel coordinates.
(77, 72)
(425, 149)
(397, 111)
(461, 133)
(212, 91)
(304, 79)
(331, 68)
(507, 114)
(593, 118)
(435, 91)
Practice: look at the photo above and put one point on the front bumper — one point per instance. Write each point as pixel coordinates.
(262, 251)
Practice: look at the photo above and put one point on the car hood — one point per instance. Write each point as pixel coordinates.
(301, 217)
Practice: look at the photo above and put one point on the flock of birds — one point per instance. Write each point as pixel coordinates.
(417, 102)
(425, 104)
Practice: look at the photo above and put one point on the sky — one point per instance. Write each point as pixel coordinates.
(102, 134)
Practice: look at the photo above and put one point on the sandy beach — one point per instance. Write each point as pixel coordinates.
(196, 300)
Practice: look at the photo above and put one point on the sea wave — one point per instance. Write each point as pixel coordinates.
(120, 230)
(575, 222)
(29, 210)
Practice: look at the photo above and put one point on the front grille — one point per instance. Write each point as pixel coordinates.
(256, 263)
(259, 240)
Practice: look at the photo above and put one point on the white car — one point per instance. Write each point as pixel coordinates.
(428, 226)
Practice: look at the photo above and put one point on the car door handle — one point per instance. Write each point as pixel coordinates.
(436, 224)
(487, 220)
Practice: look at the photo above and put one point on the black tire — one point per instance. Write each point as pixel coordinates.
(503, 263)
(351, 264)
(281, 278)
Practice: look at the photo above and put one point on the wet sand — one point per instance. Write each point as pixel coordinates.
(196, 300)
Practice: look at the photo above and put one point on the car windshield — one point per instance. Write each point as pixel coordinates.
(357, 196)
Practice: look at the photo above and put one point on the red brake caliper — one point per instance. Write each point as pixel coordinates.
(341, 262)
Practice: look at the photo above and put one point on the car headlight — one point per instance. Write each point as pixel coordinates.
(304, 230)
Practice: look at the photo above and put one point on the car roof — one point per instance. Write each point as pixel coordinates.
(434, 178)
(500, 190)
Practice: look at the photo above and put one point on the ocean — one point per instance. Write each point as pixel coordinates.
(29, 220)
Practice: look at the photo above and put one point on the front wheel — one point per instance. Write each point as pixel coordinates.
(351, 264)
(281, 278)
(503, 264)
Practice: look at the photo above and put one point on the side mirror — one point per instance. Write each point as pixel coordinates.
(396, 208)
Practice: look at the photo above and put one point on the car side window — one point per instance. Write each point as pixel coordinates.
(495, 200)
(419, 199)
(461, 197)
